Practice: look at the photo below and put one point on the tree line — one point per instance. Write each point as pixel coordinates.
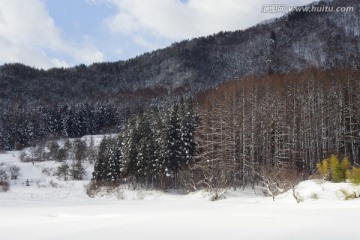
(25, 127)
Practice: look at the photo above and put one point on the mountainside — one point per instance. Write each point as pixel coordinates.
(38, 104)
(197, 64)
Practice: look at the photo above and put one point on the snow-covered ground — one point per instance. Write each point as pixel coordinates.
(54, 209)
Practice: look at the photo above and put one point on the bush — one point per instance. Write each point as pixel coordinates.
(345, 164)
(323, 169)
(49, 171)
(314, 196)
(14, 172)
(3, 175)
(347, 195)
(334, 170)
(337, 174)
(4, 183)
(354, 175)
(92, 189)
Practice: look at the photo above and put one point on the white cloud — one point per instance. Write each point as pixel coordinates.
(28, 34)
(176, 20)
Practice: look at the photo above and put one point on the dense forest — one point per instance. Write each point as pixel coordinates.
(290, 121)
(240, 134)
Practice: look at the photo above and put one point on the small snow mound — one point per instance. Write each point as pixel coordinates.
(320, 190)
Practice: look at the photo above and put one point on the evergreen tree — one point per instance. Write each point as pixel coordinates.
(158, 161)
(144, 156)
(91, 151)
(63, 170)
(78, 170)
(130, 150)
(80, 149)
(100, 166)
(68, 149)
(61, 155)
(187, 129)
(54, 150)
(114, 159)
(173, 154)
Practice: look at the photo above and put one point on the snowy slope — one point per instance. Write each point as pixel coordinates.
(53, 209)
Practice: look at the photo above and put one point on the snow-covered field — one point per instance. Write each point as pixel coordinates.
(54, 209)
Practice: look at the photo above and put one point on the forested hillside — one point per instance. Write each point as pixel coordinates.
(38, 104)
(197, 64)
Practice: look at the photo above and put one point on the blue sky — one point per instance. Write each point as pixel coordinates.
(64, 33)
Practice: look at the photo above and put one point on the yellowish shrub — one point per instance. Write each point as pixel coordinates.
(354, 175)
(323, 169)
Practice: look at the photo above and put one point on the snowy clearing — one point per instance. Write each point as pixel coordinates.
(54, 209)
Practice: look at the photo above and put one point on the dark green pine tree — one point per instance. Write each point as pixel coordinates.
(173, 157)
(114, 160)
(80, 149)
(100, 166)
(91, 151)
(145, 157)
(158, 144)
(130, 150)
(188, 125)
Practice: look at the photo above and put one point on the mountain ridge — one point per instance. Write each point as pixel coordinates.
(201, 63)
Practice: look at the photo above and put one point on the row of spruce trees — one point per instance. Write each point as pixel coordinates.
(22, 127)
(151, 149)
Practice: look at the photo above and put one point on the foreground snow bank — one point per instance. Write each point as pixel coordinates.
(242, 215)
(51, 209)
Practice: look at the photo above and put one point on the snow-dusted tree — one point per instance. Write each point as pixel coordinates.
(113, 154)
(92, 151)
(173, 152)
(159, 154)
(145, 153)
(4, 182)
(53, 150)
(100, 167)
(80, 149)
(14, 172)
(62, 155)
(63, 170)
(188, 123)
(130, 151)
(77, 170)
